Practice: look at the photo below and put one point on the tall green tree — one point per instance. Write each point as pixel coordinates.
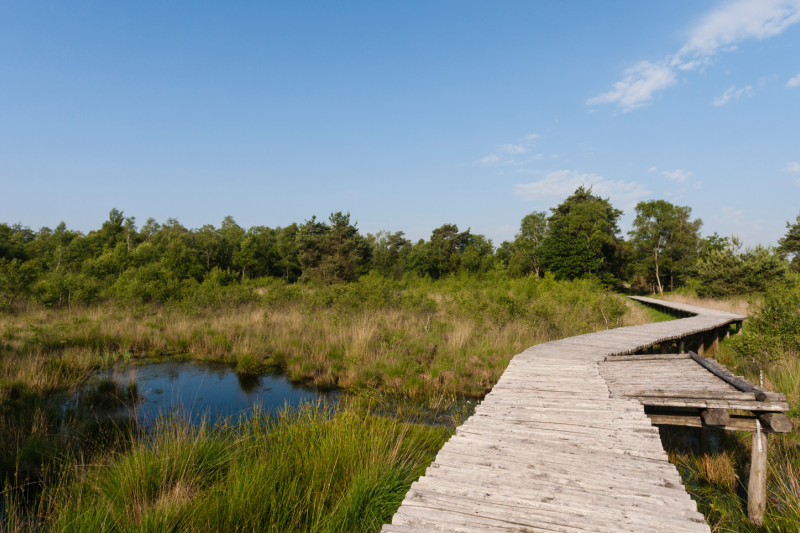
(387, 249)
(287, 249)
(789, 244)
(529, 242)
(334, 252)
(16, 278)
(683, 246)
(445, 249)
(665, 240)
(583, 238)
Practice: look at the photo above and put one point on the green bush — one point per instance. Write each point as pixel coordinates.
(151, 283)
(730, 272)
(775, 328)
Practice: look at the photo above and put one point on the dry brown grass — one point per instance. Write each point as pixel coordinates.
(738, 306)
(395, 350)
(637, 315)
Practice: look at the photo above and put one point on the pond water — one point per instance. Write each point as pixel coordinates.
(208, 390)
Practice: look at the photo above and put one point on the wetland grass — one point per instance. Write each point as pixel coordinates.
(310, 469)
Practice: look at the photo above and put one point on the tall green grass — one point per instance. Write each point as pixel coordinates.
(309, 469)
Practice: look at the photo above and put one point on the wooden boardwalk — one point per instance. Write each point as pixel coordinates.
(561, 445)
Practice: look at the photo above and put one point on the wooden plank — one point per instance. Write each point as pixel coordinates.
(707, 394)
(650, 357)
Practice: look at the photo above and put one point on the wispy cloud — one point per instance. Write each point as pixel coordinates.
(677, 175)
(505, 152)
(651, 170)
(558, 185)
(514, 149)
(733, 94)
(794, 82)
(697, 185)
(792, 168)
(720, 30)
(638, 85)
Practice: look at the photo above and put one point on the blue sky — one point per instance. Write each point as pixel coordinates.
(407, 114)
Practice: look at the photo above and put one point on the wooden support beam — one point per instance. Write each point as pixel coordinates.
(716, 417)
(649, 357)
(705, 403)
(682, 346)
(738, 327)
(665, 347)
(736, 423)
(780, 423)
(757, 485)
(728, 378)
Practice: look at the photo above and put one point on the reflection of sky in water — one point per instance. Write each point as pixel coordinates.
(203, 389)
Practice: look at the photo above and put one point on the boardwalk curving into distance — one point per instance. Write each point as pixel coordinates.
(562, 443)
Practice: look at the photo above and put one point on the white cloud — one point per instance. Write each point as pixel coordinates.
(677, 175)
(638, 85)
(697, 185)
(734, 21)
(738, 21)
(733, 94)
(554, 156)
(651, 170)
(560, 184)
(531, 137)
(513, 149)
(792, 168)
(794, 82)
(489, 160)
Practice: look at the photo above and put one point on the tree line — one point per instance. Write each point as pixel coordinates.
(580, 238)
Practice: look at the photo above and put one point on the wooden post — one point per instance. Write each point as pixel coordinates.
(701, 346)
(664, 347)
(682, 346)
(705, 440)
(757, 486)
(738, 328)
(727, 331)
(714, 348)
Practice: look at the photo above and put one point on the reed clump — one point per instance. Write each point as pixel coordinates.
(309, 469)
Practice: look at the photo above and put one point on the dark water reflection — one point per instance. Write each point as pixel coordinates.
(208, 390)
